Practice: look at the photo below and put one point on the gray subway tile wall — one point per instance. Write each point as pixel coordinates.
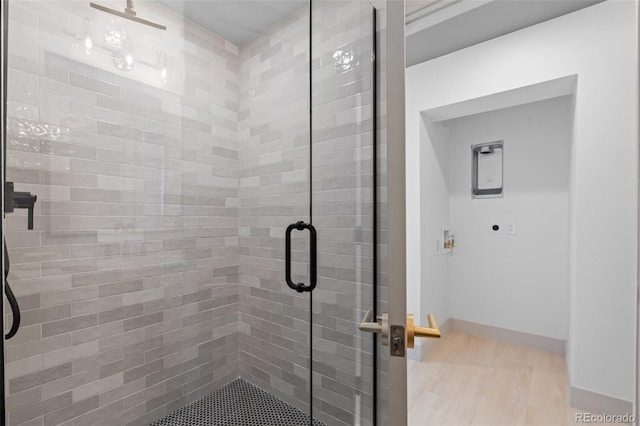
(129, 281)
(155, 272)
(273, 137)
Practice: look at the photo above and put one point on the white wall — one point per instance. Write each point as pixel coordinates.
(599, 45)
(428, 272)
(434, 214)
(518, 282)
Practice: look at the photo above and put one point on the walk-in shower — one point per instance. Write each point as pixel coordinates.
(205, 237)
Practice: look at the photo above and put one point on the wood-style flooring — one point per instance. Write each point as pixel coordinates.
(469, 380)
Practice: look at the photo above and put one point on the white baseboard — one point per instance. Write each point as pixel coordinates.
(534, 341)
(597, 403)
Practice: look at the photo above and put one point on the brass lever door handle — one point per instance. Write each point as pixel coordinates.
(414, 331)
(381, 326)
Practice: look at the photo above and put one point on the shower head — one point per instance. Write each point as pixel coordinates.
(128, 13)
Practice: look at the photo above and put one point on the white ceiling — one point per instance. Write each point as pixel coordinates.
(411, 6)
(434, 27)
(240, 20)
(563, 86)
(235, 20)
(450, 25)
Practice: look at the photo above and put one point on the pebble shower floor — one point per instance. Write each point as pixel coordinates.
(238, 403)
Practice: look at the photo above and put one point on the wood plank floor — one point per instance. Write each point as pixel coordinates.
(468, 380)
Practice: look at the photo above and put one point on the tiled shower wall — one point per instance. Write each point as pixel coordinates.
(273, 137)
(274, 192)
(128, 283)
(155, 272)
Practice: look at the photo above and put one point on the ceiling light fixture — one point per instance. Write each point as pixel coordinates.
(129, 13)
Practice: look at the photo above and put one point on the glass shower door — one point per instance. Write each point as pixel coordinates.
(169, 161)
(344, 207)
(168, 164)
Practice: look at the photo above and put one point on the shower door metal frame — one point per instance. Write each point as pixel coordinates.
(375, 269)
(4, 35)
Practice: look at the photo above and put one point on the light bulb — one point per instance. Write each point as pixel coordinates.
(162, 66)
(88, 42)
(127, 50)
(124, 59)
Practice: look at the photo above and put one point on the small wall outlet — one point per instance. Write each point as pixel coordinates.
(496, 228)
(500, 228)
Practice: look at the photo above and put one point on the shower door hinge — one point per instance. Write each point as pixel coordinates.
(397, 345)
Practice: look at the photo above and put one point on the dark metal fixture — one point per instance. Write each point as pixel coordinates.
(129, 13)
(12, 200)
(300, 287)
(15, 200)
(15, 309)
(19, 200)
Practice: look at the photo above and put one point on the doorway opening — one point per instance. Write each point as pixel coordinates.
(582, 258)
